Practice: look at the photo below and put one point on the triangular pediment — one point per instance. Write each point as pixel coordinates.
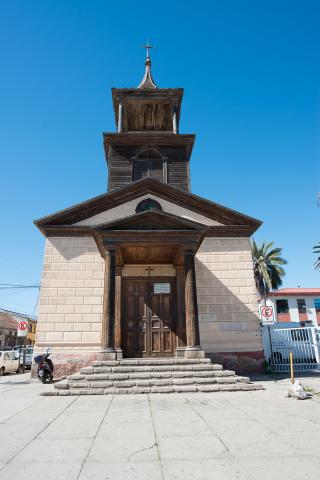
(152, 220)
(189, 207)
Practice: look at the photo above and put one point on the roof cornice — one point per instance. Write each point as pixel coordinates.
(229, 218)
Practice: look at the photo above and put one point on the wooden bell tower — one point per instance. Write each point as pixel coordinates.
(148, 142)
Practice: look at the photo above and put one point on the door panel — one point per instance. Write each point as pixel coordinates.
(156, 342)
(148, 326)
(161, 322)
(142, 297)
(167, 342)
(135, 308)
(130, 327)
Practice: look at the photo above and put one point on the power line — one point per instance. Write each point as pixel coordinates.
(6, 286)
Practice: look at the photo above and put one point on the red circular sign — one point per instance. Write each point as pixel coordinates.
(23, 325)
(267, 312)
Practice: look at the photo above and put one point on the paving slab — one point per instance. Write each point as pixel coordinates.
(301, 467)
(41, 470)
(134, 442)
(121, 471)
(211, 469)
(180, 427)
(191, 447)
(55, 450)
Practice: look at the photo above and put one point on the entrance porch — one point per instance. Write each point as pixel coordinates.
(150, 295)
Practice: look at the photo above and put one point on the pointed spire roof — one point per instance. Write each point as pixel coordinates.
(147, 81)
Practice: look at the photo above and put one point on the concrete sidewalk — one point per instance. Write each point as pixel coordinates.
(225, 436)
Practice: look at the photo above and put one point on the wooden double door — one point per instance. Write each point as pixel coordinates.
(148, 325)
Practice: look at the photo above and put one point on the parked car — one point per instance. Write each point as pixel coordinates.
(16, 350)
(29, 357)
(27, 351)
(9, 363)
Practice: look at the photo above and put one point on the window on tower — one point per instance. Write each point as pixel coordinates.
(149, 163)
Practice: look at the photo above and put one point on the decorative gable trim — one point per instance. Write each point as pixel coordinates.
(152, 220)
(129, 209)
(149, 186)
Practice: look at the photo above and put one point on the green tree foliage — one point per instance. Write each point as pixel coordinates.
(267, 266)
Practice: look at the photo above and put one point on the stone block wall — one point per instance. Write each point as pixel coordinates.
(227, 299)
(71, 299)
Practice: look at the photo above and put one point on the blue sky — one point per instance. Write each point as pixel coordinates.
(251, 74)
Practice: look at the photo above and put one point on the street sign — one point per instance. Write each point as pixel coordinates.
(266, 314)
(22, 328)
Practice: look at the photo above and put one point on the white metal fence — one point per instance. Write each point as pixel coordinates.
(303, 342)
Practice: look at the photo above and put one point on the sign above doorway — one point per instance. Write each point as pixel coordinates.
(161, 288)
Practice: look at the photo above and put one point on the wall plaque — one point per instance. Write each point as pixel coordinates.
(161, 288)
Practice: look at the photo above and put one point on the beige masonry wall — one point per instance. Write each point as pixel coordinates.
(71, 295)
(227, 299)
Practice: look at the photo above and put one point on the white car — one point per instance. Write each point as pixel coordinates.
(9, 363)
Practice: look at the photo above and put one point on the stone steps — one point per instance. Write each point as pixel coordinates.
(148, 369)
(152, 376)
(151, 361)
(123, 383)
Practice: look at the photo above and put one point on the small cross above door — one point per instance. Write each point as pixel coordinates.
(149, 270)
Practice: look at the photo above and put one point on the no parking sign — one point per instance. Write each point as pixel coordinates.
(266, 314)
(22, 328)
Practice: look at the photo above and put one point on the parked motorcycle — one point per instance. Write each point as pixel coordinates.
(44, 367)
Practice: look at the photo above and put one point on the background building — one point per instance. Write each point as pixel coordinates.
(296, 305)
(8, 330)
(9, 326)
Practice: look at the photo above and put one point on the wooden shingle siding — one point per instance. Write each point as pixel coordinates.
(178, 172)
(120, 166)
(178, 175)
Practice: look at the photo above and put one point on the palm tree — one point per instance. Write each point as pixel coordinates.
(268, 272)
(316, 249)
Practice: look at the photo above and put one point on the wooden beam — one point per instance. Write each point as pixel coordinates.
(181, 311)
(107, 336)
(192, 320)
(117, 315)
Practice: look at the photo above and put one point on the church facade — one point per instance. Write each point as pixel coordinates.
(147, 269)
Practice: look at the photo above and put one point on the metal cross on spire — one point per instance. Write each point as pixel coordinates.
(147, 47)
(147, 81)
